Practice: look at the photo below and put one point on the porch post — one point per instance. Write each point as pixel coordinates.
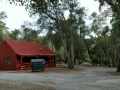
(21, 62)
(59, 60)
(54, 61)
(49, 62)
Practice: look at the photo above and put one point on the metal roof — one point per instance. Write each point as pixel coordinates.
(24, 48)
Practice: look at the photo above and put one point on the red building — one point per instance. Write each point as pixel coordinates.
(16, 55)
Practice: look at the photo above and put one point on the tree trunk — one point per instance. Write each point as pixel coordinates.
(100, 61)
(71, 63)
(91, 57)
(69, 54)
(79, 58)
(118, 61)
(70, 57)
(113, 60)
(70, 50)
(108, 61)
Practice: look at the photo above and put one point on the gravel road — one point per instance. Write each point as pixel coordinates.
(91, 78)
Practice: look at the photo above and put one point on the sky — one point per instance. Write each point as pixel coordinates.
(18, 14)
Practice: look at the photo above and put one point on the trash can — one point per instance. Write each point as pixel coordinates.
(37, 64)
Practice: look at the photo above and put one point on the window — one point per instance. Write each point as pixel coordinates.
(7, 61)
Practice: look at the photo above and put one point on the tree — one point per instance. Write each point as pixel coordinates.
(94, 42)
(89, 43)
(3, 27)
(97, 24)
(115, 5)
(15, 34)
(79, 49)
(30, 35)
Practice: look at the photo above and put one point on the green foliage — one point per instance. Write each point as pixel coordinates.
(40, 4)
(79, 48)
(3, 28)
(105, 30)
(15, 34)
(3, 15)
(97, 23)
(30, 35)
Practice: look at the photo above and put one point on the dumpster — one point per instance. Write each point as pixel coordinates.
(37, 64)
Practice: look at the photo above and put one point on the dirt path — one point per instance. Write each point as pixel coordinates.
(82, 78)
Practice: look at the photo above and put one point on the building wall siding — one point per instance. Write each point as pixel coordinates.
(6, 51)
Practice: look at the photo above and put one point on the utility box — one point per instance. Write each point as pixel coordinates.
(37, 64)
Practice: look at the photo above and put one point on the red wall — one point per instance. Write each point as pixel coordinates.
(6, 51)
